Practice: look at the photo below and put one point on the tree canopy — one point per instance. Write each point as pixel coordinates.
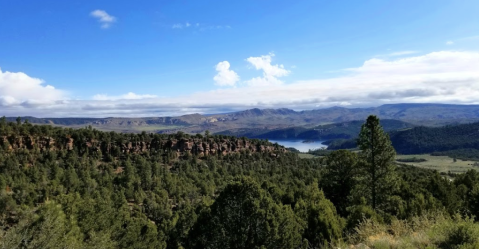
(84, 188)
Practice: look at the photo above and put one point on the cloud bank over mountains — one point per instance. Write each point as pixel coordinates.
(127, 96)
(19, 89)
(437, 77)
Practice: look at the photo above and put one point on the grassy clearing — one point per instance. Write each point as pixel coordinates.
(440, 163)
(428, 231)
(306, 156)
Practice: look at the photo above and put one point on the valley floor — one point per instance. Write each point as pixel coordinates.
(440, 163)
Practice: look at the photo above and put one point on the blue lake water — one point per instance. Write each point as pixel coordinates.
(299, 145)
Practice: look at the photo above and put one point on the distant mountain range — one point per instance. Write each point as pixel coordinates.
(276, 122)
(343, 130)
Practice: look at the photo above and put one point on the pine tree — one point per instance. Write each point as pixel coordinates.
(376, 161)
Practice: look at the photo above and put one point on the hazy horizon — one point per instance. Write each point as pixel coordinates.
(236, 111)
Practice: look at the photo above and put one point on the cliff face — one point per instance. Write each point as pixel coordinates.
(194, 146)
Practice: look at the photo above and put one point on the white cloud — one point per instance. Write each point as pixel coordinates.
(225, 76)
(104, 18)
(17, 88)
(129, 95)
(181, 25)
(449, 43)
(266, 80)
(438, 77)
(177, 26)
(7, 101)
(199, 26)
(271, 73)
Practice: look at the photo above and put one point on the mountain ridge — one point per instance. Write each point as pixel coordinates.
(426, 114)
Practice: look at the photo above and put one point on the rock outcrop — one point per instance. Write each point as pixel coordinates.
(194, 146)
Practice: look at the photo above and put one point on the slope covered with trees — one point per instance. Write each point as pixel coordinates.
(90, 189)
(429, 139)
(460, 141)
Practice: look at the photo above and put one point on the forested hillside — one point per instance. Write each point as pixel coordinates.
(460, 141)
(83, 188)
(428, 139)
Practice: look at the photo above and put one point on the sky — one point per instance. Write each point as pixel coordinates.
(104, 58)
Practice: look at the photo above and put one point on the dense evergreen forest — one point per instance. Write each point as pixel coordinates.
(428, 139)
(83, 188)
(459, 141)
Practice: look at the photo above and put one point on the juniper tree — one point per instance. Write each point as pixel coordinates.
(245, 216)
(321, 221)
(340, 178)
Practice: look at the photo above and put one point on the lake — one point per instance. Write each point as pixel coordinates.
(299, 145)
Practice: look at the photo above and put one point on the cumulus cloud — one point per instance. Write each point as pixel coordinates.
(225, 76)
(438, 77)
(129, 95)
(7, 101)
(103, 18)
(17, 88)
(449, 43)
(271, 73)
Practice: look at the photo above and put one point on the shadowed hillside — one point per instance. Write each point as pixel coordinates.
(436, 139)
(344, 130)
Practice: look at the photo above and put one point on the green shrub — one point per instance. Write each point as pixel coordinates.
(359, 213)
(321, 221)
(458, 233)
(411, 160)
(433, 230)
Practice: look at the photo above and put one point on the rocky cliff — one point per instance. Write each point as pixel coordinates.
(194, 146)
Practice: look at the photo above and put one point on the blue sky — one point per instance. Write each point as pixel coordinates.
(154, 58)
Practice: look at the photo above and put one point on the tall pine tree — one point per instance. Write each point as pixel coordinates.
(377, 155)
